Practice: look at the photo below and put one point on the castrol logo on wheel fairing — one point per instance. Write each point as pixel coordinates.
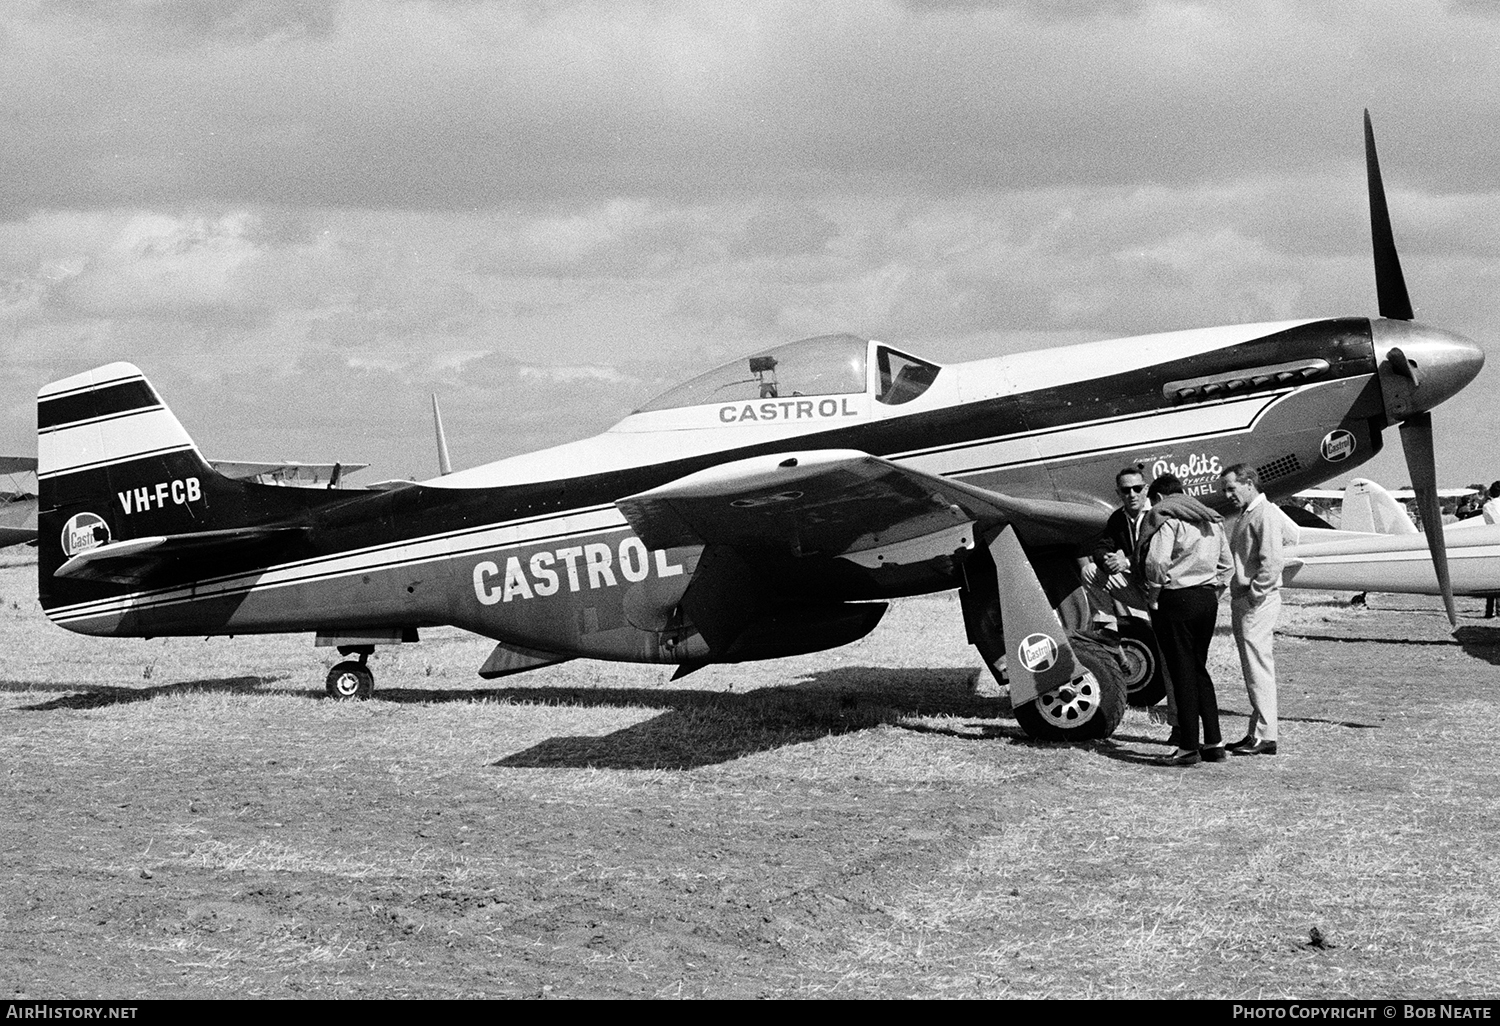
(1037, 652)
(84, 531)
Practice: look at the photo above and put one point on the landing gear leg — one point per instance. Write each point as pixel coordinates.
(352, 679)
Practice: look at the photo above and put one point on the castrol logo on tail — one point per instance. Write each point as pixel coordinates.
(1037, 652)
(82, 532)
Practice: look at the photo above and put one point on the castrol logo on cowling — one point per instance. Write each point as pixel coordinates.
(1037, 652)
(1338, 446)
(82, 532)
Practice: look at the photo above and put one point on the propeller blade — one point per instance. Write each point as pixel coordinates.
(1416, 441)
(1390, 283)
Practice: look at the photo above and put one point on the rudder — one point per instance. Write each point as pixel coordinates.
(116, 461)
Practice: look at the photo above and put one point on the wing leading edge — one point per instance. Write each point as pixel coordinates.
(838, 502)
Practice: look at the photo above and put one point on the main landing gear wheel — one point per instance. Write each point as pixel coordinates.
(1145, 681)
(350, 680)
(1088, 709)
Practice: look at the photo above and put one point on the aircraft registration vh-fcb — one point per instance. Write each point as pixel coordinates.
(767, 508)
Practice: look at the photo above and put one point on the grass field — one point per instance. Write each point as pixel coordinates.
(190, 817)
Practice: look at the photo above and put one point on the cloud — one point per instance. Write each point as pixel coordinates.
(453, 106)
(554, 210)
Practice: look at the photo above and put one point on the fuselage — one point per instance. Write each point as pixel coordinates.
(531, 551)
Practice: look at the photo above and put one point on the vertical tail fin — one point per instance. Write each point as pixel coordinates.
(105, 439)
(114, 465)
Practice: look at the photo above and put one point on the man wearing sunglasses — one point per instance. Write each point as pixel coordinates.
(1116, 570)
(1114, 566)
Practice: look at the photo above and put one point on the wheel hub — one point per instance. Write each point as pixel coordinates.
(1142, 666)
(1072, 704)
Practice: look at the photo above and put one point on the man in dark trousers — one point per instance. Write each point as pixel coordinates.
(1186, 564)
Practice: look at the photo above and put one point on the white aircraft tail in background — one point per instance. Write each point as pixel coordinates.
(1378, 548)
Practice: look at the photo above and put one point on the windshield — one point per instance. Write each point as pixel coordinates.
(902, 377)
(826, 365)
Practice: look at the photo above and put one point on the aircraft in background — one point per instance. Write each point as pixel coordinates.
(18, 503)
(1378, 548)
(17, 500)
(1365, 506)
(767, 508)
(288, 473)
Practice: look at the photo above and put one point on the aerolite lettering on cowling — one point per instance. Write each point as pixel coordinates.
(592, 565)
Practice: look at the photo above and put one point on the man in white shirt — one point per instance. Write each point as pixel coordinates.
(1256, 538)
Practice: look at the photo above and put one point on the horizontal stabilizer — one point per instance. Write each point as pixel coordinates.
(509, 659)
(135, 560)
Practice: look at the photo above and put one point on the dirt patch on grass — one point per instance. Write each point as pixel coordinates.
(192, 818)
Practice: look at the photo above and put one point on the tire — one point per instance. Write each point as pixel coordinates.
(1146, 679)
(349, 680)
(1089, 709)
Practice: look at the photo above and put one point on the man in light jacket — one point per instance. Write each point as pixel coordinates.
(1186, 563)
(1256, 540)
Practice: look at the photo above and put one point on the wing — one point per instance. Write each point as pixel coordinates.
(845, 504)
(138, 559)
(17, 464)
(838, 502)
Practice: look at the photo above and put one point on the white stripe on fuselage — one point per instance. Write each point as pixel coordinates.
(471, 541)
(1116, 434)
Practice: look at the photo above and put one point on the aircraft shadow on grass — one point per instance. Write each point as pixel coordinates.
(702, 728)
(95, 696)
(698, 728)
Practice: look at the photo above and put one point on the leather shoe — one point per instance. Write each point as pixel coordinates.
(1214, 753)
(1244, 742)
(1182, 757)
(1257, 748)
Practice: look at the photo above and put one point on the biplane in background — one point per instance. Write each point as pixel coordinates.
(767, 508)
(17, 500)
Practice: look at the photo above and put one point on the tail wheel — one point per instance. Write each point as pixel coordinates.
(350, 680)
(1145, 677)
(1088, 709)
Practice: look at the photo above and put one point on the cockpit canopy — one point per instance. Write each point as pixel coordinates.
(825, 365)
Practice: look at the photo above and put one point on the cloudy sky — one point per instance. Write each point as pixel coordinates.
(302, 217)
